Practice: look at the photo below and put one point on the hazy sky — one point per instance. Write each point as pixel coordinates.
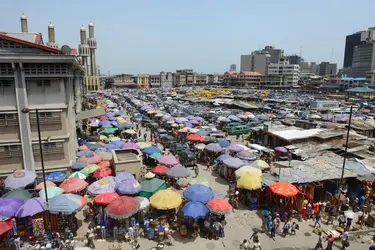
(149, 36)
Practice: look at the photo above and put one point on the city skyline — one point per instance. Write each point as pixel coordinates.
(149, 37)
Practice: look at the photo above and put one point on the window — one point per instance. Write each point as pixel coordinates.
(5, 86)
(51, 151)
(46, 118)
(8, 120)
(44, 83)
(10, 151)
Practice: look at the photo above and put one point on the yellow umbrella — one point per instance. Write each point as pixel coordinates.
(199, 180)
(165, 199)
(158, 115)
(130, 131)
(220, 118)
(315, 117)
(250, 182)
(262, 164)
(150, 112)
(247, 170)
(91, 168)
(143, 145)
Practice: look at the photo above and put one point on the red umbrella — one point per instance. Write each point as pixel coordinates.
(103, 118)
(123, 207)
(219, 206)
(73, 185)
(160, 170)
(104, 164)
(103, 172)
(105, 199)
(193, 137)
(284, 189)
(6, 226)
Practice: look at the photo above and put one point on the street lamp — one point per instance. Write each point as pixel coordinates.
(26, 111)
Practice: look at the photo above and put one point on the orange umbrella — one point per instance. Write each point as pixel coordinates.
(193, 137)
(105, 199)
(6, 226)
(160, 170)
(104, 164)
(103, 172)
(40, 186)
(73, 185)
(219, 206)
(284, 189)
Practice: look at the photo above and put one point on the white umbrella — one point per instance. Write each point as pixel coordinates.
(143, 202)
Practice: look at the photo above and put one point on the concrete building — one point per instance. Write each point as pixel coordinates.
(183, 77)
(143, 81)
(276, 54)
(363, 59)
(166, 79)
(289, 72)
(242, 79)
(256, 62)
(124, 81)
(213, 78)
(34, 76)
(295, 59)
(326, 69)
(154, 81)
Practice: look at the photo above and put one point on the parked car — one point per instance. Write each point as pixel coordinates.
(228, 126)
(159, 133)
(167, 140)
(187, 158)
(239, 130)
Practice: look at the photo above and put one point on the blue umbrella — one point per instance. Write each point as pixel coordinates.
(65, 204)
(151, 150)
(110, 146)
(110, 114)
(223, 157)
(194, 210)
(198, 192)
(56, 177)
(234, 118)
(189, 117)
(223, 143)
(225, 120)
(105, 124)
(86, 152)
(79, 165)
(235, 148)
(233, 163)
(20, 179)
(203, 132)
(112, 119)
(124, 176)
(118, 144)
(128, 187)
(188, 124)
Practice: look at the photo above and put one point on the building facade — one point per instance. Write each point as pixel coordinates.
(363, 59)
(288, 72)
(326, 69)
(34, 76)
(276, 54)
(143, 81)
(242, 79)
(183, 77)
(155, 81)
(256, 62)
(166, 79)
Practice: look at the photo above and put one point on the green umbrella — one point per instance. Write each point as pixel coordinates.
(93, 146)
(79, 175)
(109, 131)
(155, 155)
(51, 192)
(19, 194)
(103, 138)
(151, 185)
(89, 169)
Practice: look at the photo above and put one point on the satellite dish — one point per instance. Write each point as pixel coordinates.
(65, 49)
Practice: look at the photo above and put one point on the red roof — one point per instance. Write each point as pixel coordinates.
(250, 73)
(231, 73)
(27, 43)
(73, 52)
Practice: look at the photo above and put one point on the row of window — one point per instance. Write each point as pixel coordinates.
(44, 118)
(16, 150)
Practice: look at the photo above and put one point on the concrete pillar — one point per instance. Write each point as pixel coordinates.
(77, 86)
(24, 121)
(70, 118)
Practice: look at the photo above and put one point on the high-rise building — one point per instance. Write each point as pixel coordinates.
(326, 69)
(363, 59)
(295, 59)
(276, 54)
(256, 62)
(290, 73)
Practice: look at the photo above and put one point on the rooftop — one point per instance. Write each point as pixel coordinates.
(361, 90)
(29, 37)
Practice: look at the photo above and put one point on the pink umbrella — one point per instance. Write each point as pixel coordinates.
(168, 160)
(90, 159)
(130, 145)
(40, 186)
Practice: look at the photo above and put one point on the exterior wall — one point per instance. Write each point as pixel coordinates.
(362, 60)
(155, 81)
(166, 80)
(245, 63)
(289, 71)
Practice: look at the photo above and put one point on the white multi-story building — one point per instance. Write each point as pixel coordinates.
(289, 72)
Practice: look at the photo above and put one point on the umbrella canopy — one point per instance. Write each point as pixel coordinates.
(200, 146)
(235, 148)
(262, 164)
(19, 194)
(91, 168)
(152, 185)
(149, 175)
(182, 182)
(73, 185)
(219, 206)
(40, 186)
(168, 160)
(250, 182)
(178, 172)
(104, 164)
(155, 155)
(199, 180)
(124, 176)
(90, 159)
(143, 202)
(246, 155)
(223, 157)
(66, 203)
(233, 163)
(194, 210)
(103, 172)
(165, 199)
(198, 192)
(20, 179)
(223, 143)
(101, 186)
(6, 226)
(122, 208)
(283, 189)
(143, 145)
(9, 207)
(51, 192)
(31, 207)
(193, 137)
(160, 170)
(130, 145)
(105, 199)
(128, 187)
(56, 177)
(151, 150)
(79, 175)
(248, 170)
(281, 150)
(213, 147)
(79, 165)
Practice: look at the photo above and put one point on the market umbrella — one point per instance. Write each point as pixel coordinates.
(19, 194)
(106, 198)
(160, 170)
(193, 137)
(182, 182)
(151, 150)
(9, 206)
(124, 176)
(247, 170)
(246, 155)
(73, 185)
(223, 157)
(198, 192)
(200, 146)
(104, 164)
(281, 150)
(213, 147)
(149, 175)
(66, 203)
(40, 186)
(194, 210)
(103, 172)
(155, 155)
(235, 148)
(90, 159)
(143, 202)
(233, 163)
(56, 177)
(6, 226)
(20, 179)
(31, 207)
(199, 180)
(85, 152)
(262, 164)
(51, 192)
(89, 169)
(223, 143)
(219, 206)
(130, 131)
(168, 160)
(143, 145)
(165, 199)
(118, 144)
(79, 165)
(130, 145)
(93, 146)
(122, 208)
(79, 175)
(178, 172)
(101, 186)
(284, 189)
(250, 182)
(128, 187)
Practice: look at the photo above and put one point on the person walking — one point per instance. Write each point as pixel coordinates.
(348, 223)
(293, 228)
(345, 240)
(330, 240)
(319, 244)
(257, 245)
(317, 220)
